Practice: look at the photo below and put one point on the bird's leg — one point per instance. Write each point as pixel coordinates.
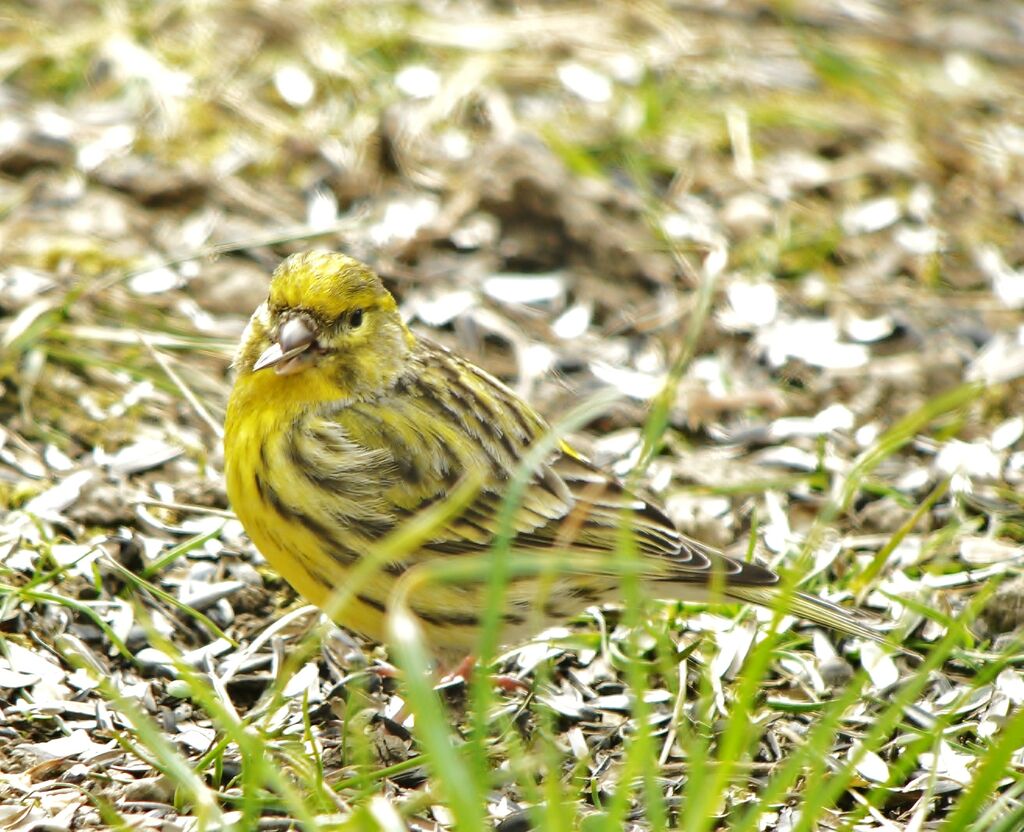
(386, 670)
(464, 670)
(467, 667)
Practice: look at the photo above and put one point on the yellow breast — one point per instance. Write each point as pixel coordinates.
(277, 505)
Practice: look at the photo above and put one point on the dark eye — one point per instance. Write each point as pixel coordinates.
(355, 318)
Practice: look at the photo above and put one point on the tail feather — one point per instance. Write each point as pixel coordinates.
(810, 607)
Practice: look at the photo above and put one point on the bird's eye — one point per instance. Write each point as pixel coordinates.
(355, 318)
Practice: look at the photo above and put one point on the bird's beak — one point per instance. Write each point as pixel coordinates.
(294, 337)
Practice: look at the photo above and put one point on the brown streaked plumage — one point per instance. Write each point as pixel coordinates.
(342, 425)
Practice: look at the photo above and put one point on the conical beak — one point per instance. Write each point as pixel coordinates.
(294, 337)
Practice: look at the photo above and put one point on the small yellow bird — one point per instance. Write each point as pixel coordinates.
(343, 425)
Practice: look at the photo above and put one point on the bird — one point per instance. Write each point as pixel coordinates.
(343, 425)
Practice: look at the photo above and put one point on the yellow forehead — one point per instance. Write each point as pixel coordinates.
(326, 284)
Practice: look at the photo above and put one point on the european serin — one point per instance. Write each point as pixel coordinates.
(343, 425)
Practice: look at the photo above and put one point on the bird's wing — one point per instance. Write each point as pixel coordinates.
(606, 507)
(448, 418)
(442, 425)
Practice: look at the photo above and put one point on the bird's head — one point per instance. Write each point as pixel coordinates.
(327, 319)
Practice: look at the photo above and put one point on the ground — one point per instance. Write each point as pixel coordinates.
(794, 232)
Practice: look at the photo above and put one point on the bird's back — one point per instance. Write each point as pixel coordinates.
(335, 476)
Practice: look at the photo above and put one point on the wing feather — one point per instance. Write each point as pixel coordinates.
(439, 426)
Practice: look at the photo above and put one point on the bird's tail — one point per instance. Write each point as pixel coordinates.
(810, 607)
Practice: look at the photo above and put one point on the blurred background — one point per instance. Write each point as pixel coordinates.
(805, 216)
